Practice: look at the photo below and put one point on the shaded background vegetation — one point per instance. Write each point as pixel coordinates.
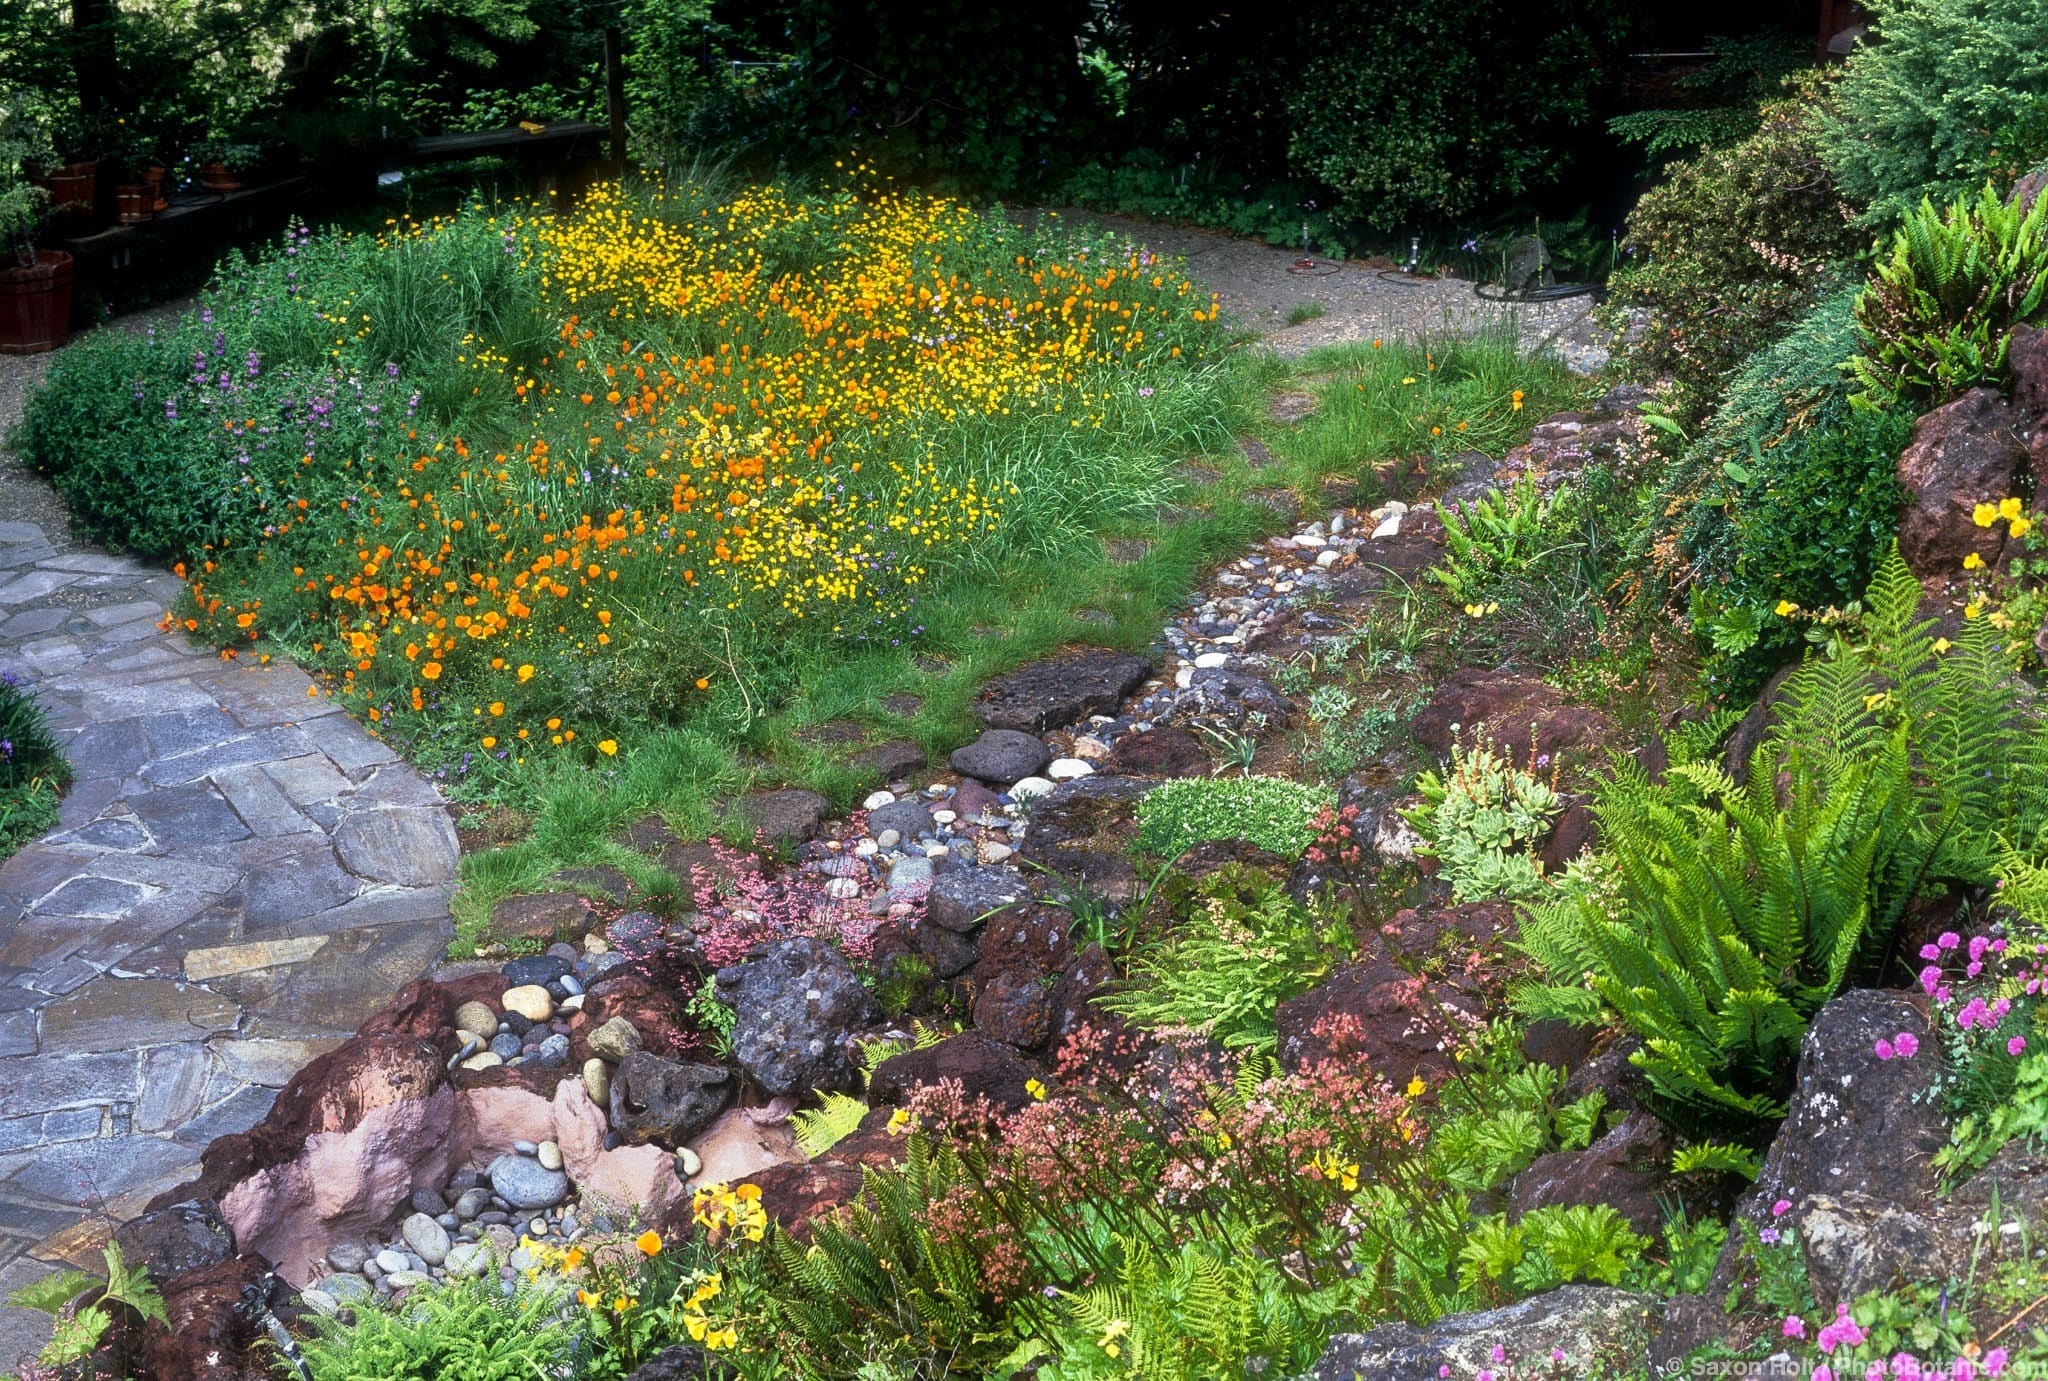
(1335, 122)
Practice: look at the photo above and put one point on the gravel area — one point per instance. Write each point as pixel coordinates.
(1262, 285)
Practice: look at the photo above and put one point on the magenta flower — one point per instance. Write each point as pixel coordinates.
(1781, 1208)
(1994, 1361)
(1795, 1327)
(1949, 939)
(2014, 1047)
(1907, 1044)
(1884, 1048)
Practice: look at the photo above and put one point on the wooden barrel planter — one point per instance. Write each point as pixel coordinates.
(134, 204)
(35, 303)
(215, 177)
(72, 188)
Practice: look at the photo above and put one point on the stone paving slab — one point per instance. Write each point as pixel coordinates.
(240, 876)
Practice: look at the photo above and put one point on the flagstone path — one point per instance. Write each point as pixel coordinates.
(240, 876)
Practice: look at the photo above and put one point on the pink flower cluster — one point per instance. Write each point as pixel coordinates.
(1903, 1046)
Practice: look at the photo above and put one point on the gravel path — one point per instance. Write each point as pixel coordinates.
(1263, 285)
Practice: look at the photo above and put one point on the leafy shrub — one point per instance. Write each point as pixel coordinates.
(1483, 820)
(32, 767)
(1918, 97)
(466, 1330)
(1380, 109)
(1245, 948)
(1732, 247)
(1499, 536)
(1937, 315)
(1723, 97)
(1806, 519)
(1547, 1247)
(1271, 812)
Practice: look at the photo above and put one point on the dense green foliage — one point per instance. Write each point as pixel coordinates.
(1730, 248)
(1920, 95)
(465, 1331)
(33, 768)
(1483, 819)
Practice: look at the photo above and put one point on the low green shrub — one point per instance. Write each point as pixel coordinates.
(1483, 820)
(1500, 536)
(1921, 92)
(1271, 812)
(1550, 1246)
(1731, 248)
(1937, 315)
(1806, 520)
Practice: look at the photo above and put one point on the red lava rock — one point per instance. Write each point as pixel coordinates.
(1159, 753)
(202, 1341)
(1396, 1021)
(1963, 453)
(1629, 1168)
(2027, 364)
(1571, 834)
(1031, 940)
(1521, 714)
(1073, 1004)
(1015, 1008)
(982, 1067)
(653, 1010)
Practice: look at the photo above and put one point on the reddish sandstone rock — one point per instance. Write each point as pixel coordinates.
(653, 1010)
(1015, 1008)
(1030, 939)
(796, 1193)
(1523, 715)
(1963, 453)
(348, 1140)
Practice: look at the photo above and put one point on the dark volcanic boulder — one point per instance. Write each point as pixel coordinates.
(170, 1241)
(1060, 690)
(982, 1067)
(1002, 756)
(666, 1101)
(1600, 1331)
(778, 816)
(962, 899)
(1628, 1169)
(795, 1005)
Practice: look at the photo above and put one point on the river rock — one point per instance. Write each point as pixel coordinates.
(426, 1237)
(525, 1183)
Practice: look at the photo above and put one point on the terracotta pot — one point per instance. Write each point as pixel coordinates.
(215, 177)
(134, 204)
(35, 303)
(71, 188)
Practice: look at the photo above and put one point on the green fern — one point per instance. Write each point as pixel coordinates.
(837, 1117)
(1716, 1157)
(873, 1287)
(1937, 315)
(1208, 1309)
(1548, 1247)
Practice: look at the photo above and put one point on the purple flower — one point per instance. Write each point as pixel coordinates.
(2016, 1045)
(1794, 1327)
(1907, 1044)
(1781, 1208)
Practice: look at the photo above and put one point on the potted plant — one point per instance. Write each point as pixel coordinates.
(68, 168)
(224, 162)
(35, 284)
(132, 157)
